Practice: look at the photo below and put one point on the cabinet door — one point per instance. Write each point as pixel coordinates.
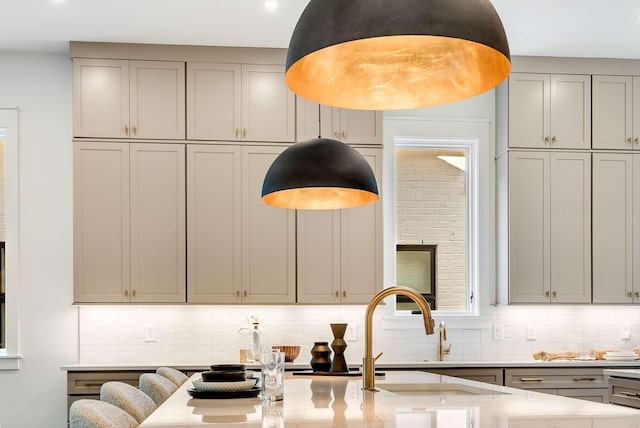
(570, 204)
(529, 228)
(636, 230)
(318, 256)
(101, 222)
(213, 224)
(158, 239)
(214, 101)
(529, 109)
(612, 227)
(570, 124)
(157, 100)
(100, 98)
(360, 126)
(361, 243)
(612, 112)
(268, 106)
(268, 235)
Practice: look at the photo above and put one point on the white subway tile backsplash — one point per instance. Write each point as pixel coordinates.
(205, 334)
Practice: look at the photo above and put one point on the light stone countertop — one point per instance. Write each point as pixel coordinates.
(340, 402)
(380, 365)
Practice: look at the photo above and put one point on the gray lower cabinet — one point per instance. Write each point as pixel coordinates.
(584, 383)
(625, 392)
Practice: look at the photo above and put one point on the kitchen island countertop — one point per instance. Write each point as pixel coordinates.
(340, 402)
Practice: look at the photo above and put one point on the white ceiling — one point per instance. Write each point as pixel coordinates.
(573, 28)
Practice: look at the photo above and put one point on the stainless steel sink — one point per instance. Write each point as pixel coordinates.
(436, 389)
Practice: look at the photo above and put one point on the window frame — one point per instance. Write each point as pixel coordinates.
(464, 131)
(10, 355)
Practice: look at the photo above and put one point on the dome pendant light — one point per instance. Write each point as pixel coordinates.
(319, 174)
(396, 54)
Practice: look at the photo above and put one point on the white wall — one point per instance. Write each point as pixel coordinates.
(40, 87)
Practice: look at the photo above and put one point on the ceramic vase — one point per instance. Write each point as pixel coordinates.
(321, 360)
(339, 345)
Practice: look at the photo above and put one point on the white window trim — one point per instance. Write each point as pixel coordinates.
(412, 128)
(10, 356)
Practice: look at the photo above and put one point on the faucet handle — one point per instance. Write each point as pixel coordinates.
(380, 355)
(447, 351)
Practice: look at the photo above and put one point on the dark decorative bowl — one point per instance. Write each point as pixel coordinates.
(227, 367)
(224, 376)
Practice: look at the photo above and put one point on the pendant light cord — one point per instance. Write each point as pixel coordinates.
(319, 123)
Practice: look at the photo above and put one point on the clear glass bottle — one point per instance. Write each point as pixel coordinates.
(250, 341)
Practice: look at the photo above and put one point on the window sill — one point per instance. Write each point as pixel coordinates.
(458, 321)
(10, 362)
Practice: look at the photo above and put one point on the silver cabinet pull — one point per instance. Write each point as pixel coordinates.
(531, 379)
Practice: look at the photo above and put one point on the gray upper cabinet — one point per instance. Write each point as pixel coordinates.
(549, 227)
(340, 251)
(239, 102)
(616, 235)
(616, 112)
(128, 99)
(129, 226)
(347, 125)
(551, 111)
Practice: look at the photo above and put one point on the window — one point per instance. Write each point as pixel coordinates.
(9, 356)
(439, 201)
(432, 205)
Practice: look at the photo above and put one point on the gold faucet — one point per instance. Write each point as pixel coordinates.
(443, 336)
(368, 362)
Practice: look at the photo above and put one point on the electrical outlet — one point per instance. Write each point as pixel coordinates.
(498, 332)
(149, 334)
(532, 332)
(351, 335)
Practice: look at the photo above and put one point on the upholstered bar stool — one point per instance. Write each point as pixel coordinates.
(128, 398)
(99, 414)
(175, 376)
(159, 388)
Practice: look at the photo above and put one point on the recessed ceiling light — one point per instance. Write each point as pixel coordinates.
(271, 5)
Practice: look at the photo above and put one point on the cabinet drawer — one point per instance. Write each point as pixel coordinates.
(625, 392)
(492, 376)
(89, 383)
(597, 395)
(584, 378)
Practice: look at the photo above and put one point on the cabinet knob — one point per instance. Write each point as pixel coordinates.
(237, 132)
(237, 293)
(133, 293)
(126, 293)
(546, 139)
(553, 140)
(336, 134)
(546, 294)
(629, 140)
(554, 294)
(629, 294)
(246, 293)
(244, 133)
(337, 294)
(344, 293)
(344, 135)
(134, 130)
(637, 293)
(126, 130)
(636, 140)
